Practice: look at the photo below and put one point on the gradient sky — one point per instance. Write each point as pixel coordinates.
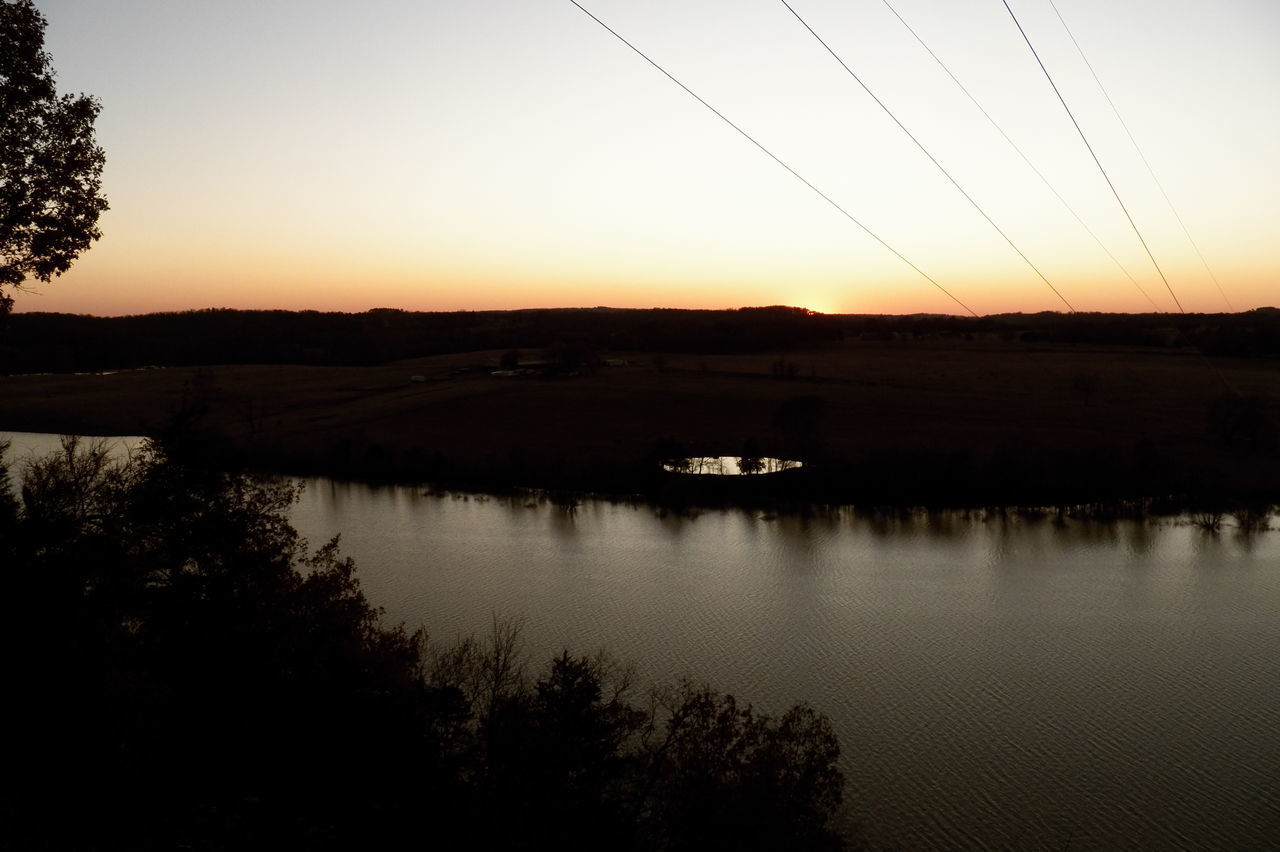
(497, 154)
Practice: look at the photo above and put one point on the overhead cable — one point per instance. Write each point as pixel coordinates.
(776, 159)
(1145, 162)
(1021, 154)
(920, 145)
(1098, 162)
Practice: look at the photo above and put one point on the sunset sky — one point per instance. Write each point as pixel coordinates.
(487, 154)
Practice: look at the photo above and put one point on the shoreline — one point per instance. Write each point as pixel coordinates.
(782, 494)
(895, 424)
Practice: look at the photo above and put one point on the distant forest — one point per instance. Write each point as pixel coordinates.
(48, 342)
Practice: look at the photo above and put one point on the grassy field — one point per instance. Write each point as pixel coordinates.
(920, 422)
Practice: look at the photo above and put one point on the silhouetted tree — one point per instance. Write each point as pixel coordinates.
(722, 776)
(573, 356)
(750, 461)
(50, 166)
(569, 761)
(183, 654)
(8, 503)
(182, 671)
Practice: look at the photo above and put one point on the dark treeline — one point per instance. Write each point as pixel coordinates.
(41, 342)
(183, 672)
(63, 342)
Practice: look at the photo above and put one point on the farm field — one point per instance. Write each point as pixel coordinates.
(912, 422)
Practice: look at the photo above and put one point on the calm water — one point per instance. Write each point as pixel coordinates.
(996, 683)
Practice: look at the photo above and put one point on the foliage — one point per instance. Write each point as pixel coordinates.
(571, 760)
(50, 165)
(750, 461)
(8, 505)
(186, 673)
(725, 776)
(186, 654)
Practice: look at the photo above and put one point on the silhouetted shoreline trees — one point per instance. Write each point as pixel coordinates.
(39, 342)
(186, 673)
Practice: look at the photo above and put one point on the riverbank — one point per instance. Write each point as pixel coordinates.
(945, 423)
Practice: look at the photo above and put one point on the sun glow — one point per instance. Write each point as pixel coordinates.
(579, 176)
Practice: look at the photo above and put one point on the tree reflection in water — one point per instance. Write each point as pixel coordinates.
(729, 465)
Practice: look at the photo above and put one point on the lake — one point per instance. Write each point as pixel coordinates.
(997, 681)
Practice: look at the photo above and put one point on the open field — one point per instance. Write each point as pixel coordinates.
(902, 422)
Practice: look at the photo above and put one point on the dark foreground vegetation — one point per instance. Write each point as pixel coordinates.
(184, 673)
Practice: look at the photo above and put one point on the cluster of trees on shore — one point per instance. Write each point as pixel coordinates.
(184, 672)
(35, 342)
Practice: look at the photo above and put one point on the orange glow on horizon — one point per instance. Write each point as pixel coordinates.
(116, 292)
(566, 172)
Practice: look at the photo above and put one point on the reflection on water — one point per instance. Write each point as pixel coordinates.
(729, 465)
(997, 680)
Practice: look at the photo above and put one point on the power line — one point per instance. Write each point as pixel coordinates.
(1098, 162)
(1138, 148)
(1217, 374)
(1023, 155)
(920, 145)
(776, 159)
